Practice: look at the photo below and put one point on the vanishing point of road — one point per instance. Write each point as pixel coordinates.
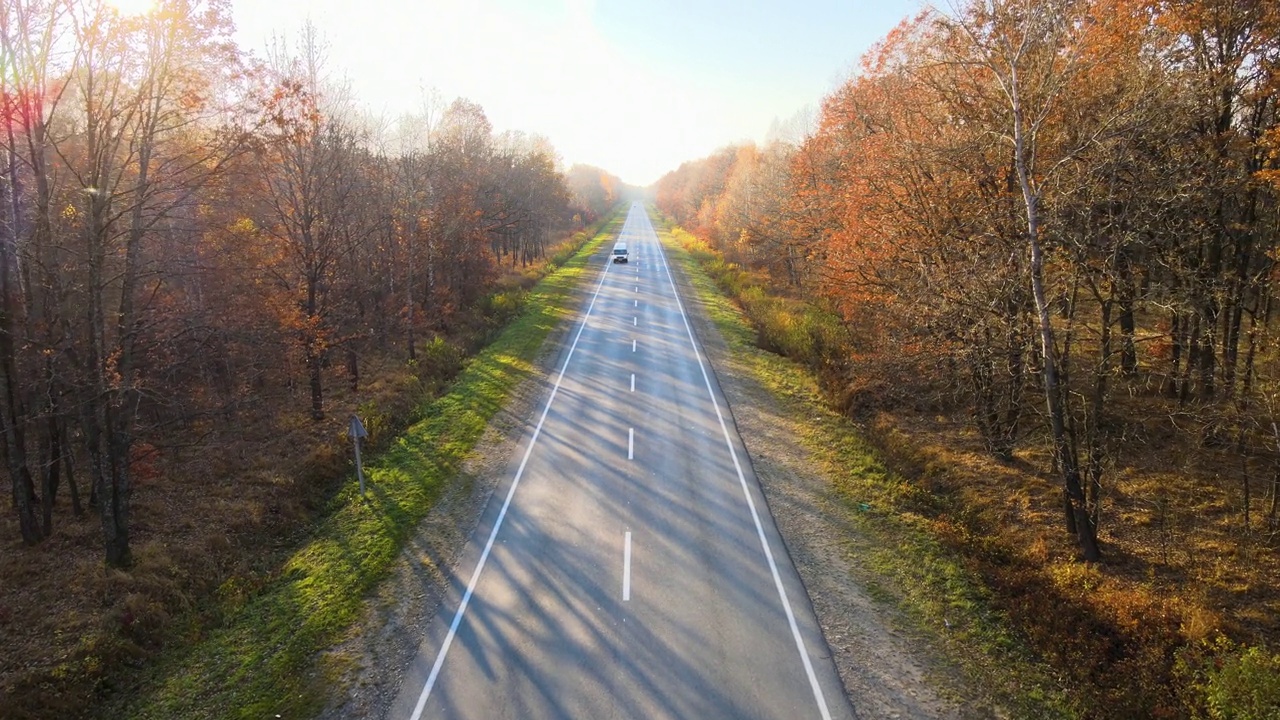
(629, 566)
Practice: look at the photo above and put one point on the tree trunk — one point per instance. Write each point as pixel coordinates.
(51, 474)
(1231, 343)
(314, 354)
(15, 444)
(1128, 353)
(1208, 350)
(1097, 403)
(315, 375)
(13, 414)
(77, 509)
(106, 432)
(1244, 477)
(1275, 483)
(1193, 355)
(1275, 499)
(1084, 531)
(115, 508)
(410, 340)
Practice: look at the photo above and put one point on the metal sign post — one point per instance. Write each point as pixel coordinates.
(356, 431)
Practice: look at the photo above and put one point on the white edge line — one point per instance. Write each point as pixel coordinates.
(488, 546)
(746, 492)
(626, 568)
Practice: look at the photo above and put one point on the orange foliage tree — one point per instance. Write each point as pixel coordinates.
(185, 233)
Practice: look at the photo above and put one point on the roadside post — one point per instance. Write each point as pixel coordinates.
(356, 431)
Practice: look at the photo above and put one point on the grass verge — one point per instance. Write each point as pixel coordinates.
(904, 564)
(261, 661)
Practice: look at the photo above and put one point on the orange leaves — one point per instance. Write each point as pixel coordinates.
(593, 189)
(143, 462)
(1271, 167)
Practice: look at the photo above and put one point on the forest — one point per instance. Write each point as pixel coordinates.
(1049, 230)
(208, 257)
(1029, 246)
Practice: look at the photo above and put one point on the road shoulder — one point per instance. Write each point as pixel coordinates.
(887, 670)
(370, 664)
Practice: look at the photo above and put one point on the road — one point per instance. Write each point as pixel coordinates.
(629, 568)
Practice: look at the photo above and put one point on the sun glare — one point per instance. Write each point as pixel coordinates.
(130, 8)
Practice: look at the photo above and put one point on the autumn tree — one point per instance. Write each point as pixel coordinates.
(185, 232)
(143, 93)
(310, 163)
(595, 191)
(28, 33)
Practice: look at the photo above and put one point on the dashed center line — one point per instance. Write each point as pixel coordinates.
(631, 443)
(626, 567)
(633, 382)
(635, 321)
(633, 344)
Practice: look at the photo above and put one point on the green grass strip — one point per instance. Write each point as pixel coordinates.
(262, 662)
(900, 562)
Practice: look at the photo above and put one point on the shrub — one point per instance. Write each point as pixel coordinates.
(438, 361)
(1233, 682)
(567, 250)
(500, 307)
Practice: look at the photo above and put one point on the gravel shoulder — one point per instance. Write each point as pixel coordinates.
(367, 668)
(887, 671)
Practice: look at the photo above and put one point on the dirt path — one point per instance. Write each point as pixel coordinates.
(886, 672)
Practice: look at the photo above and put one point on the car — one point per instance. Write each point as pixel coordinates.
(620, 254)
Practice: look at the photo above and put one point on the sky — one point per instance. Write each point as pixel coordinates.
(633, 87)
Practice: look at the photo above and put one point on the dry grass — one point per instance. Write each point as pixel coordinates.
(208, 523)
(1179, 569)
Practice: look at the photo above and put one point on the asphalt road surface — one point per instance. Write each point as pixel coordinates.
(629, 568)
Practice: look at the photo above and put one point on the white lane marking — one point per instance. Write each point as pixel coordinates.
(635, 321)
(637, 304)
(502, 513)
(631, 443)
(633, 382)
(626, 567)
(633, 344)
(637, 288)
(751, 505)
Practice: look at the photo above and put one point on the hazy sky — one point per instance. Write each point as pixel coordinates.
(635, 87)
